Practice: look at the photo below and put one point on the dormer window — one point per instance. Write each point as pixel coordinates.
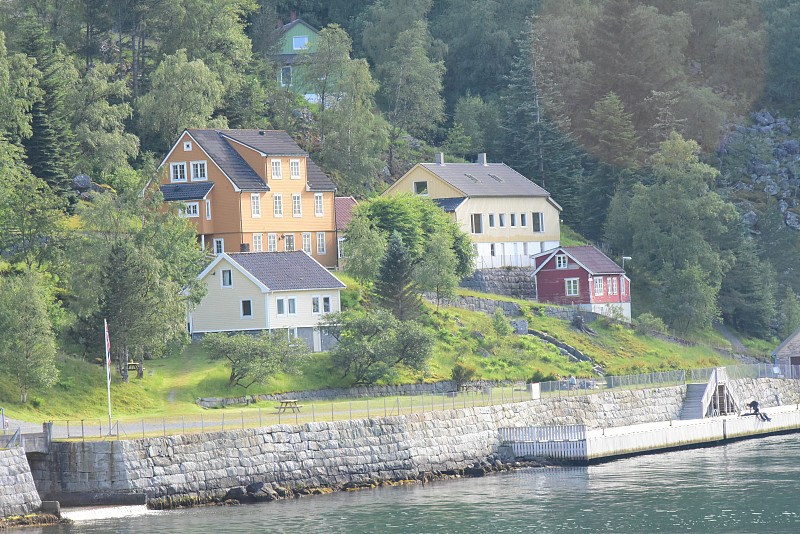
(562, 262)
(300, 42)
(177, 172)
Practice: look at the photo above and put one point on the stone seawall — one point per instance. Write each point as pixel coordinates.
(18, 495)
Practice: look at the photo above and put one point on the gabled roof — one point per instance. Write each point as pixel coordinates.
(228, 160)
(785, 342)
(590, 258)
(295, 22)
(188, 191)
(490, 180)
(344, 206)
(267, 142)
(317, 179)
(449, 204)
(286, 271)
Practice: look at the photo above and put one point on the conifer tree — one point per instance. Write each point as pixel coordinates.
(395, 289)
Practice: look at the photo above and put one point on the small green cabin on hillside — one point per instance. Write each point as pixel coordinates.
(297, 37)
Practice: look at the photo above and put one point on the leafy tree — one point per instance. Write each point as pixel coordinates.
(395, 288)
(789, 315)
(481, 121)
(373, 345)
(436, 270)
(28, 344)
(384, 21)
(365, 246)
(688, 298)
(500, 323)
(169, 107)
(463, 373)
(255, 359)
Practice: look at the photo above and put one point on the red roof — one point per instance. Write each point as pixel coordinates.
(344, 207)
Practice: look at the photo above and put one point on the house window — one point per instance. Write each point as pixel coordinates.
(255, 205)
(326, 304)
(187, 146)
(247, 309)
(340, 248)
(199, 171)
(294, 169)
(177, 172)
(286, 76)
(477, 223)
(421, 188)
(318, 206)
(613, 288)
(272, 242)
(491, 220)
(288, 242)
(571, 286)
(537, 221)
(208, 209)
(227, 278)
(622, 285)
(561, 261)
(299, 42)
(315, 304)
(321, 249)
(297, 207)
(501, 220)
(307, 242)
(190, 209)
(492, 249)
(291, 305)
(277, 205)
(219, 246)
(513, 220)
(258, 243)
(525, 249)
(280, 307)
(276, 169)
(292, 333)
(523, 220)
(598, 285)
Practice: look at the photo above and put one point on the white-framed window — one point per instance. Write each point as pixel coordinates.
(187, 146)
(247, 309)
(272, 242)
(613, 287)
(316, 304)
(199, 171)
(292, 333)
(476, 220)
(523, 220)
(208, 209)
(276, 169)
(219, 245)
(340, 247)
(622, 285)
(299, 42)
(561, 261)
(280, 306)
(571, 287)
(326, 304)
(321, 248)
(291, 306)
(288, 242)
(226, 278)
(286, 76)
(294, 169)
(421, 188)
(492, 249)
(258, 243)
(537, 221)
(501, 220)
(190, 209)
(307, 242)
(598, 285)
(255, 205)
(277, 205)
(177, 172)
(297, 206)
(491, 220)
(318, 205)
(512, 220)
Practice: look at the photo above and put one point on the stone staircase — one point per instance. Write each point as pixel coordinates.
(692, 408)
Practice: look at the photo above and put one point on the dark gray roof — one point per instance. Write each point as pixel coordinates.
(449, 204)
(231, 163)
(295, 22)
(286, 271)
(595, 261)
(188, 191)
(270, 142)
(490, 180)
(317, 179)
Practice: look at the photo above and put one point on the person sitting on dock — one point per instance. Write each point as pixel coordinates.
(753, 405)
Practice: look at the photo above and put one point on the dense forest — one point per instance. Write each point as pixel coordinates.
(665, 128)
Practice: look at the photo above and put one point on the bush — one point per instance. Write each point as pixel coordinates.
(648, 323)
(463, 373)
(501, 324)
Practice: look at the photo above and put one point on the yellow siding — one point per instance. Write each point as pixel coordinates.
(220, 309)
(509, 205)
(437, 188)
(304, 316)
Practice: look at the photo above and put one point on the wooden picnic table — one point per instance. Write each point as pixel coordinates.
(289, 404)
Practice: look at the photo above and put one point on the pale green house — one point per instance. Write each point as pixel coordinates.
(297, 37)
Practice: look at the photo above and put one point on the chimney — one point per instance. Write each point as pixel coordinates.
(244, 247)
(440, 158)
(482, 158)
(293, 15)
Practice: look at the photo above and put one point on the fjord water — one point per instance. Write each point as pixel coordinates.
(748, 486)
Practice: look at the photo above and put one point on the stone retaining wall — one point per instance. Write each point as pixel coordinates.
(18, 495)
(511, 281)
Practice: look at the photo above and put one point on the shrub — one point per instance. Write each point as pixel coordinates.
(463, 373)
(647, 323)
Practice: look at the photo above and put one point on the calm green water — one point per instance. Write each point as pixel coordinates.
(750, 486)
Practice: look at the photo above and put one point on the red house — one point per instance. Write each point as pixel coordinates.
(583, 277)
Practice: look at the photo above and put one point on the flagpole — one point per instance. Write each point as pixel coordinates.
(108, 372)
